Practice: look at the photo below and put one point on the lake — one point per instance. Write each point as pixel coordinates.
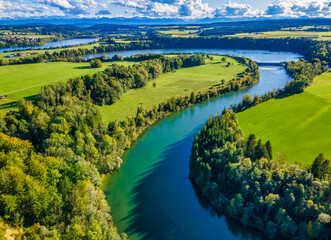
(63, 43)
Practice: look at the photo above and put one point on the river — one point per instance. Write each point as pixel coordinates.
(63, 43)
(151, 196)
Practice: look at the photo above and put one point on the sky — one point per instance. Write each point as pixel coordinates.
(186, 9)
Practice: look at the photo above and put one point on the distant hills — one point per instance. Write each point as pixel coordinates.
(86, 22)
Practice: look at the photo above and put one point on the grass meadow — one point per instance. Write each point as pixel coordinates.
(26, 80)
(181, 33)
(173, 84)
(283, 34)
(298, 126)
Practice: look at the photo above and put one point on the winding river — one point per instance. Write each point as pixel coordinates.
(57, 44)
(151, 196)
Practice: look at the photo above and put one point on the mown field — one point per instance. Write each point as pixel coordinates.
(181, 33)
(298, 126)
(283, 34)
(174, 84)
(24, 81)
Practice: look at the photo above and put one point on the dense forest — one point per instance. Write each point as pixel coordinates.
(240, 178)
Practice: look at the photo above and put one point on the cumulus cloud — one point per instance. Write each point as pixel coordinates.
(232, 9)
(161, 8)
(63, 4)
(167, 8)
(73, 7)
(300, 8)
(18, 9)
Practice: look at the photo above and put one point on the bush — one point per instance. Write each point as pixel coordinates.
(96, 63)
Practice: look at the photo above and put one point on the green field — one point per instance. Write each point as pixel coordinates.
(298, 126)
(173, 84)
(283, 34)
(181, 33)
(24, 81)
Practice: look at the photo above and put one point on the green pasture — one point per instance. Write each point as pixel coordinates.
(283, 34)
(173, 84)
(298, 126)
(24, 81)
(181, 33)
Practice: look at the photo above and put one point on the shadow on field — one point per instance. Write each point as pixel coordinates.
(8, 105)
(82, 67)
(14, 104)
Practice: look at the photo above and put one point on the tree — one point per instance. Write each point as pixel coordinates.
(250, 145)
(269, 149)
(96, 63)
(321, 167)
(154, 84)
(223, 59)
(193, 98)
(211, 58)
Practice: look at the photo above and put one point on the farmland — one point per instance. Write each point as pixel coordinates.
(323, 36)
(181, 33)
(297, 126)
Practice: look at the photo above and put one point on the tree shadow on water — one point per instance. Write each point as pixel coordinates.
(167, 206)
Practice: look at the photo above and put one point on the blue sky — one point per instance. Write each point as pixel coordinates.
(186, 9)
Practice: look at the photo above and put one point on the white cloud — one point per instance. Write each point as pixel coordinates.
(232, 9)
(64, 4)
(19, 9)
(73, 7)
(161, 8)
(167, 8)
(300, 8)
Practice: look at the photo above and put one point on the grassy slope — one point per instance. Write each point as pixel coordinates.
(298, 126)
(16, 77)
(179, 83)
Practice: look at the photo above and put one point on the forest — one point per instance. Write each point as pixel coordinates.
(241, 179)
